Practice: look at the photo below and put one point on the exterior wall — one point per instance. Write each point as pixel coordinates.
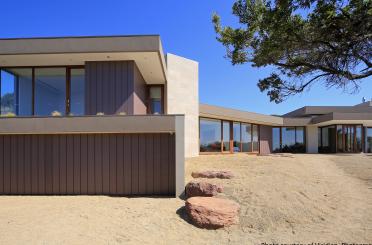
(113, 87)
(265, 139)
(182, 97)
(88, 164)
(312, 139)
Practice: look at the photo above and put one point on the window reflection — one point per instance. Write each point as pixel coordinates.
(210, 135)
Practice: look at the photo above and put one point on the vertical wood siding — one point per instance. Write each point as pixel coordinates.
(265, 139)
(87, 164)
(114, 86)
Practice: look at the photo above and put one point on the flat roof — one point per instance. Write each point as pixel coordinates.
(337, 117)
(218, 112)
(321, 110)
(145, 50)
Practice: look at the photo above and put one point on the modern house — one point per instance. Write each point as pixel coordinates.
(116, 116)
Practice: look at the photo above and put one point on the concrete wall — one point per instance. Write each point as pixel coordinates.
(312, 139)
(182, 97)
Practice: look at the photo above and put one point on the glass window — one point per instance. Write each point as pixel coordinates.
(288, 138)
(369, 140)
(16, 91)
(77, 97)
(328, 140)
(358, 137)
(246, 137)
(156, 100)
(226, 136)
(255, 143)
(210, 135)
(236, 136)
(340, 147)
(276, 139)
(50, 91)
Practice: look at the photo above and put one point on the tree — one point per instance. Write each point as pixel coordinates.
(306, 41)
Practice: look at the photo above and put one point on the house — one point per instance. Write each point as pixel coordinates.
(114, 115)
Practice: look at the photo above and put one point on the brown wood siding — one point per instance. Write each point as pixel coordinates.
(88, 164)
(265, 139)
(113, 87)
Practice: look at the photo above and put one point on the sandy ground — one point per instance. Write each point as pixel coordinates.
(291, 198)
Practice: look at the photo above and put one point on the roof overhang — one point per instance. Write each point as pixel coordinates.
(146, 51)
(223, 113)
(343, 118)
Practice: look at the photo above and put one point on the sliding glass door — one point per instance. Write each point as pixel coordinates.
(341, 138)
(368, 140)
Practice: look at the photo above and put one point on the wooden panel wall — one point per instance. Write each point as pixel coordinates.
(87, 164)
(113, 87)
(265, 139)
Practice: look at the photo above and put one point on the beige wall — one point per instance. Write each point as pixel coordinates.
(182, 97)
(312, 139)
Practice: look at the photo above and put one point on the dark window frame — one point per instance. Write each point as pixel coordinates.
(68, 83)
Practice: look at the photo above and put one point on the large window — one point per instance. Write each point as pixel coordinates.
(288, 139)
(369, 140)
(210, 135)
(236, 137)
(42, 90)
(16, 91)
(226, 135)
(276, 140)
(341, 138)
(50, 91)
(246, 137)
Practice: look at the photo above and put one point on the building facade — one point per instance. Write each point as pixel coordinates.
(116, 116)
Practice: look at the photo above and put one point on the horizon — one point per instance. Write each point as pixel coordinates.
(185, 30)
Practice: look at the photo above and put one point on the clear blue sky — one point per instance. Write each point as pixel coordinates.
(186, 30)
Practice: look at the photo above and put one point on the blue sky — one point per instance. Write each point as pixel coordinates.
(186, 30)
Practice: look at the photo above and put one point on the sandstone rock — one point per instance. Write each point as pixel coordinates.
(202, 188)
(211, 212)
(213, 174)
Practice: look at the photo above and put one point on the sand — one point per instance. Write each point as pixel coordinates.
(290, 198)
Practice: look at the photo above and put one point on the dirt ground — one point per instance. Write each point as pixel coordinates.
(289, 198)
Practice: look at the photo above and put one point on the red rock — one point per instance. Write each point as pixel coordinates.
(211, 212)
(202, 188)
(213, 174)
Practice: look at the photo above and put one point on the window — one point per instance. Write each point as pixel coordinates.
(155, 104)
(255, 143)
(288, 139)
(236, 136)
(340, 144)
(210, 135)
(16, 91)
(226, 135)
(358, 138)
(328, 140)
(77, 93)
(50, 91)
(369, 140)
(246, 137)
(276, 139)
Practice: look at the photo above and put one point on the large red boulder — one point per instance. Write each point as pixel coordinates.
(202, 188)
(211, 212)
(222, 174)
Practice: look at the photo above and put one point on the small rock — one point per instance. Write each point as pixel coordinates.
(213, 174)
(211, 212)
(202, 188)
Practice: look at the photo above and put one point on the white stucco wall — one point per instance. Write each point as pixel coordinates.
(182, 97)
(312, 139)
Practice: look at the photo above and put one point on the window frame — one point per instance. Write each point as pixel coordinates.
(67, 83)
(281, 136)
(149, 107)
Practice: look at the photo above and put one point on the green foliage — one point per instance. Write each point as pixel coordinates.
(8, 114)
(305, 40)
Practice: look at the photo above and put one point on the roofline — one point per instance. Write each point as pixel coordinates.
(71, 37)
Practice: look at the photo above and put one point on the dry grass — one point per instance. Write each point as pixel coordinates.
(292, 198)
